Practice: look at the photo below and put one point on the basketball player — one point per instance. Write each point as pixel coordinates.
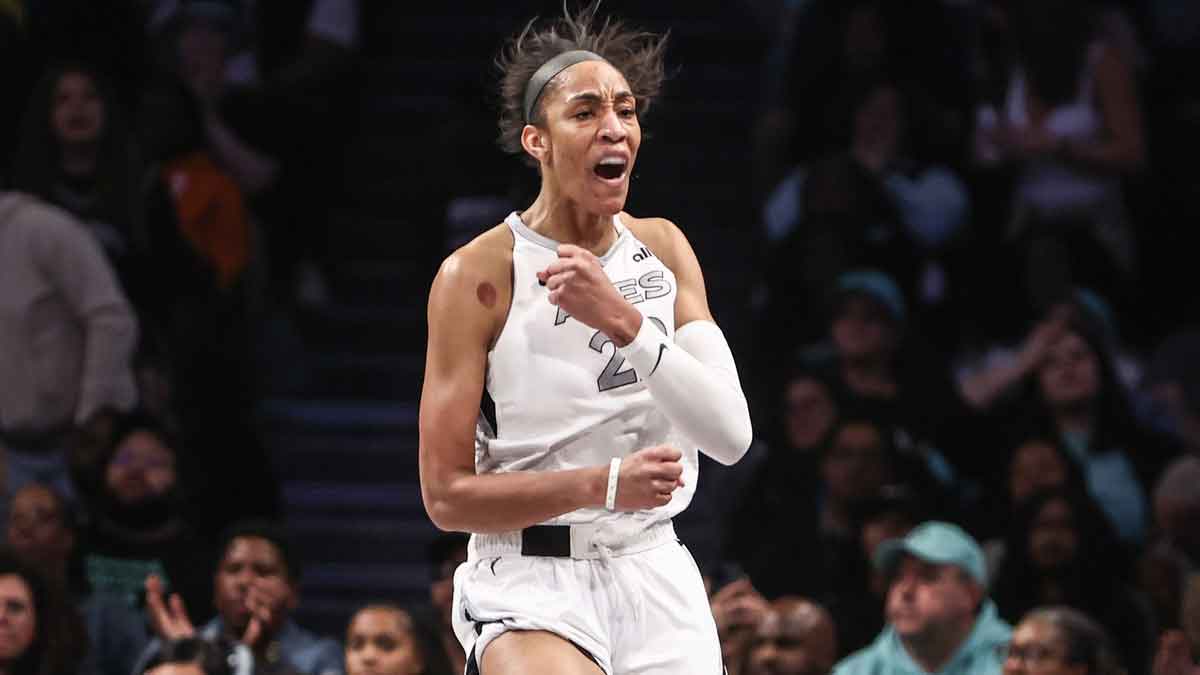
(590, 330)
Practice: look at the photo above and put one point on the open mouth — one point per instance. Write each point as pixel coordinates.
(610, 168)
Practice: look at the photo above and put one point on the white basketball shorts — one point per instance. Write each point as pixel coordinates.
(641, 609)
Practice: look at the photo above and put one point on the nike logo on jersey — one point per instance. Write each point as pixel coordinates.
(643, 253)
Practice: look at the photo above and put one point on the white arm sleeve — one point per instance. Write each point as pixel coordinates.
(695, 383)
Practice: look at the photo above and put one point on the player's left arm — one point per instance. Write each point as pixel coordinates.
(693, 379)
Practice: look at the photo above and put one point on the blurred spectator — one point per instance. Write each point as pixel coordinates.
(821, 45)
(446, 552)
(1073, 395)
(814, 504)
(1174, 656)
(38, 639)
(1071, 124)
(139, 525)
(809, 413)
(209, 369)
(262, 86)
(208, 203)
(939, 618)
(76, 152)
(883, 372)
(388, 640)
(1060, 640)
(1036, 465)
(43, 535)
(1177, 508)
(256, 589)
(797, 637)
(859, 610)
(1060, 550)
(66, 338)
(993, 377)
(192, 656)
(880, 203)
(738, 609)
(1174, 552)
(1171, 388)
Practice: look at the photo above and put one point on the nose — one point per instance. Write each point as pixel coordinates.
(611, 129)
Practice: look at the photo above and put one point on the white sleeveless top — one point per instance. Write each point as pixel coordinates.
(564, 396)
(1051, 187)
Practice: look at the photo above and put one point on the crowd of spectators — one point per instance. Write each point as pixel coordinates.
(978, 446)
(975, 426)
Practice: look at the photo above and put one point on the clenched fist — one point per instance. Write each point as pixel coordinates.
(579, 286)
(648, 477)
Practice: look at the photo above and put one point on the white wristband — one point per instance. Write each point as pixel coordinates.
(614, 471)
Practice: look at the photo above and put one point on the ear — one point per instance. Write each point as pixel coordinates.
(975, 593)
(536, 142)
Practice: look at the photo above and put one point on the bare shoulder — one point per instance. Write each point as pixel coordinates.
(661, 236)
(476, 278)
(484, 257)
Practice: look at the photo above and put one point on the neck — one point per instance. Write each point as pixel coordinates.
(934, 650)
(80, 159)
(835, 518)
(869, 375)
(556, 217)
(1074, 419)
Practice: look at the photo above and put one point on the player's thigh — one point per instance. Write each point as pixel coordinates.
(520, 652)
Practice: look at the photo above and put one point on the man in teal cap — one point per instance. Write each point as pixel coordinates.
(939, 620)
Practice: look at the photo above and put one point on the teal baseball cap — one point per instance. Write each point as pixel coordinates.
(938, 543)
(877, 286)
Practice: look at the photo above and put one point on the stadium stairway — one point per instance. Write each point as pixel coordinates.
(343, 432)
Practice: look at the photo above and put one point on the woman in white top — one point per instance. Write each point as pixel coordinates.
(1071, 124)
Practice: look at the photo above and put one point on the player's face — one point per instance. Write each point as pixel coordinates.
(926, 599)
(593, 136)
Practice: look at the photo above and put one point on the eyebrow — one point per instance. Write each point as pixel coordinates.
(593, 97)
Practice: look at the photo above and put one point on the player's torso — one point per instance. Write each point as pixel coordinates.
(564, 396)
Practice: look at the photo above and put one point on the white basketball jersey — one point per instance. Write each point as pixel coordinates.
(564, 396)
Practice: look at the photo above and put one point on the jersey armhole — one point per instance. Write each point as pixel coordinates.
(512, 293)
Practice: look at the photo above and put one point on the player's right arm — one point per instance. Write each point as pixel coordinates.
(467, 306)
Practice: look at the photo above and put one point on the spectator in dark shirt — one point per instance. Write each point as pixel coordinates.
(140, 525)
(1061, 550)
(256, 589)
